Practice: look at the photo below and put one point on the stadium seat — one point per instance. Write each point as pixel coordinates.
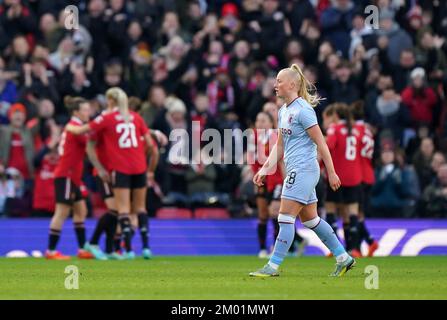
(173, 213)
(211, 213)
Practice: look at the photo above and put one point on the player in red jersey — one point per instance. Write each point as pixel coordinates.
(343, 141)
(368, 179)
(67, 182)
(275, 185)
(126, 140)
(259, 148)
(108, 222)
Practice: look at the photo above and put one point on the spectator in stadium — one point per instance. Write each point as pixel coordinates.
(139, 56)
(430, 56)
(192, 22)
(113, 76)
(388, 193)
(48, 27)
(261, 95)
(401, 72)
(410, 181)
(154, 105)
(118, 18)
(327, 71)
(201, 113)
(221, 97)
(438, 159)
(172, 165)
(6, 188)
(200, 178)
(8, 91)
(19, 54)
(377, 85)
(14, 194)
(300, 13)
(77, 82)
(311, 73)
(268, 29)
(420, 99)
(336, 23)
(311, 39)
(39, 81)
(422, 161)
(389, 116)
(170, 28)
(229, 23)
(361, 33)
(16, 142)
(435, 195)
(43, 126)
(45, 163)
(293, 49)
(391, 37)
(63, 56)
(344, 88)
(17, 18)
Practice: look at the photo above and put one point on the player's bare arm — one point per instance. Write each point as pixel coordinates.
(77, 129)
(93, 158)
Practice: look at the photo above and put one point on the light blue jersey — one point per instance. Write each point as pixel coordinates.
(300, 152)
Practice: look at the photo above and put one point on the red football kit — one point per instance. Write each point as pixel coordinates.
(345, 153)
(366, 151)
(72, 152)
(265, 143)
(44, 197)
(124, 145)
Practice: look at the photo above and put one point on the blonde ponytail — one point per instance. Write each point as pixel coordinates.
(306, 89)
(121, 101)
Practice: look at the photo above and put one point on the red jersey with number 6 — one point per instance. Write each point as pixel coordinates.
(366, 151)
(345, 153)
(124, 142)
(71, 151)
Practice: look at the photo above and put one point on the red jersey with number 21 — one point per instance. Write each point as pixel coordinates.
(72, 152)
(123, 142)
(345, 153)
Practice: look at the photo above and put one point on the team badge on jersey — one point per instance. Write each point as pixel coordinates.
(291, 118)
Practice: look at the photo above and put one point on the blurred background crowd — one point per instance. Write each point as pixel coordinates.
(215, 62)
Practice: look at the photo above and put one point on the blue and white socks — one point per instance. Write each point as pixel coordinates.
(326, 234)
(284, 240)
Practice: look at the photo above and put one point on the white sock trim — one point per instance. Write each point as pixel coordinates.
(342, 258)
(312, 223)
(273, 265)
(286, 218)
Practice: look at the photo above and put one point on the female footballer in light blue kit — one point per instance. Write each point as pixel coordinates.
(299, 138)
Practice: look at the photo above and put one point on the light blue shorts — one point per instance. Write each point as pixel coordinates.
(300, 186)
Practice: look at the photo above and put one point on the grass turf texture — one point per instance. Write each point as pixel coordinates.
(222, 277)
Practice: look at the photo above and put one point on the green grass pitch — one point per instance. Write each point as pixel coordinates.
(222, 277)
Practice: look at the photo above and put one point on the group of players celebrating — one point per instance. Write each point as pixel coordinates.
(124, 155)
(351, 144)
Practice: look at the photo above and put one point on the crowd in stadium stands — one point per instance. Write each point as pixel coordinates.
(215, 62)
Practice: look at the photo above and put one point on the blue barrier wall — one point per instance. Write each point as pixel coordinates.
(228, 237)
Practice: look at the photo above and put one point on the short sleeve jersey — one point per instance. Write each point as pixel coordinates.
(300, 151)
(366, 152)
(123, 142)
(71, 151)
(345, 153)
